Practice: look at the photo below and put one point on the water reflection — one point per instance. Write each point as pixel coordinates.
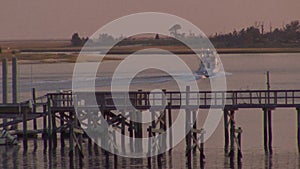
(94, 157)
(268, 162)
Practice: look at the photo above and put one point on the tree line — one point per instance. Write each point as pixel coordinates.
(254, 37)
(250, 37)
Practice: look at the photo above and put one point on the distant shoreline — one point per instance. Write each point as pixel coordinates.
(60, 51)
(61, 46)
(173, 49)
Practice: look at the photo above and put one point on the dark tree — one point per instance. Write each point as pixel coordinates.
(156, 36)
(76, 40)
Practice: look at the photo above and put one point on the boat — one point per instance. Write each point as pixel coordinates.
(209, 64)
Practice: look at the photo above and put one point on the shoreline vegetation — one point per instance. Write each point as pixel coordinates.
(50, 54)
(253, 39)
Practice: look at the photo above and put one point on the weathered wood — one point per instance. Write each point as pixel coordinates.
(25, 130)
(62, 132)
(232, 134)
(239, 140)
(4, 86)
(14, 80)
(270, 131)
(33, 107)
(170, 126)
(188, 127)
(149, 146)
(123, 131)
(130, 129)
(202, 156)
(226, 132)
(71, 139)
(265, 129)
(49, 114)
(194, 120)
(298, 128)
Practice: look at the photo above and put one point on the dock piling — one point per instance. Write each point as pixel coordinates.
(265, 129)
(188, 127)
(270, 130)
(4, 86)
(226, 132)
(232, 135)
(298, 128)
(25, 130)
(14, 80)
(170, 126)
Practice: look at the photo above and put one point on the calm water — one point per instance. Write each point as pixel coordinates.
(247, 71)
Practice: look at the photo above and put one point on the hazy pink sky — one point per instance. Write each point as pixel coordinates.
(57, 19)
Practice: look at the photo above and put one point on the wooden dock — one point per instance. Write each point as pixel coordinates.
(57, 111)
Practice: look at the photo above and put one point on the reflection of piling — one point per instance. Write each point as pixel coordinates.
(202, 156)
(34, 111)
(25, 130)
(170, 126)
(226, 132)
(194, 120)
(239, 142)
(267, 128)
(188, 127)
(232, 135)
(59, 108)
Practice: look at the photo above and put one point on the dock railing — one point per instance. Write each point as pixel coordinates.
(203, 99)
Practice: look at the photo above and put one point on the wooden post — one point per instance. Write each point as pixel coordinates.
(49, 124)
(232, 134)
(115, 150)
(123, 131)
(44, 134)
(139, 131)
(71, 131)
(163, 123)
(54, 130)
(194, 120)
(25, 129)
(270, 130)
(4, 87)
(188, 127)
(239, 137)
(202, 156)
(14, 80)
(226, 132)
(131, 116)
(149, 146)
(34, 111)
(170, 126)
(62, 132)
(298, 128)
(265, 128)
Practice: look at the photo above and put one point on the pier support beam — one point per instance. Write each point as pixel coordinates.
(267, 128)
(14, 80)
(270, 131)
(25, 130)
(170, 126)
(123, 131)
(232, 134)
(4, 86)
(188, 127)
(226, 132)
(194, 120)
(298, 128)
